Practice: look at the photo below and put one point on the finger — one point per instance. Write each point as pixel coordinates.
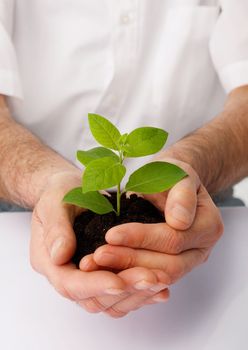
(126, 305)
(58, 233)
(80, 285)
(95, 305)
(208, 225)
(160, 297)
(135, 302)
(175, 266)
(57, 218)
(67, 279)
(180, 207)
(158, 237)
(204, 232)
(141, 284)
(87, 263)
(142, 291)
(77, 285)
(179, 203)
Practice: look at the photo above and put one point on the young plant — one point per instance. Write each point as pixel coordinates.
(104, 166)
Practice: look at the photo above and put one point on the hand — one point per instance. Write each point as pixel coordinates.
(53, 244)
(193, 225)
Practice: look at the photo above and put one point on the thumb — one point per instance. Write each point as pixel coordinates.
(181, 203)
(61, 241)
(56, 220)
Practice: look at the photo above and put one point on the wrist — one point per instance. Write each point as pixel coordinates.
(176, 158)
(61, 178)
(57, 186)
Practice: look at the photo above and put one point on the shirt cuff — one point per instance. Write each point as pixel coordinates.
(234, 75)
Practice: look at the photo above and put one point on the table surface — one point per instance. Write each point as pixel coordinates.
(208, 308)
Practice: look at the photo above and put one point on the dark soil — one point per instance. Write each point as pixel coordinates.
(90, 228)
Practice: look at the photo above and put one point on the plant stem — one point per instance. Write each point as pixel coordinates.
(118, 199)
(118, 196)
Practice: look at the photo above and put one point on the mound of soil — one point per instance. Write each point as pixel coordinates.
(90, 228)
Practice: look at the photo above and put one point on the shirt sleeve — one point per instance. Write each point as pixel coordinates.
(229, 44)
(9, 76)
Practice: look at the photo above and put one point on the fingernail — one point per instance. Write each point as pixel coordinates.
(57, 244)
(85, 263)
(158, 299)
(114, 291)
(114, 237)
(142, 285)
(158, 287)
(181, 213)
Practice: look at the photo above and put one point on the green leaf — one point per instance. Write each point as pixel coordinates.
(145, 141)
(154, 177)
(102, 173)
(90, 200)
(85, 157)
(104, 131)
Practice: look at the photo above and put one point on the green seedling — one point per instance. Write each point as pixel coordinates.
(104, 166)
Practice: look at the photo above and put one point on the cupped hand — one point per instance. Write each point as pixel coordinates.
(193, 226)
(52, 247)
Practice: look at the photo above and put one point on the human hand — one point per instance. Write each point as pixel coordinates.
(193, 225)
(53, 244)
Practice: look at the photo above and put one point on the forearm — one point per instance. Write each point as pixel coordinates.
(219, 150)
(26, 163)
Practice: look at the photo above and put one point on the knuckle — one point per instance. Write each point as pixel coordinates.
(100, 305)
(131, 259)
(137, 237)
(86, 305)
(144, 239)
(114, 312)
(92, 305)
(187, 194)
(152, 239)
(172, 242)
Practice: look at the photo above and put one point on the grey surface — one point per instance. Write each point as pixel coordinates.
(8, 207)
(208, 309)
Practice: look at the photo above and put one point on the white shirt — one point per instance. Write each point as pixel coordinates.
(166, 63)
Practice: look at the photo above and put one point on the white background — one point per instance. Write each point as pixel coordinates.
(208, 309)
